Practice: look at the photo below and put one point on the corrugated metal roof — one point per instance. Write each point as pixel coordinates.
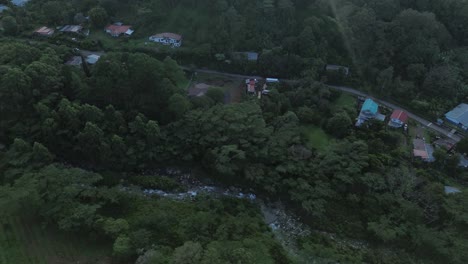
(400, 115)
(370, 106)
(460, 114)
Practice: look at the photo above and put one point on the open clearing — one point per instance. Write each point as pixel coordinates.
(233, 87)
(316, 137)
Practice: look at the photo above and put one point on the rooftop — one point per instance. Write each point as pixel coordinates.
(459, 114)
(168, 35)
(71, 28)
(423, 150)
(400, 115)
(44, 31)
(370, 106)
(118, 29)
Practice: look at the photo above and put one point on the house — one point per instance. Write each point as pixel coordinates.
(44, 32)
(74, 61)
(369, 110)
(172, 39)
(459, 116)
(423, 150)
(398, 119)
(72, 29)
(251, 83)
(118, 29)
(198, 90)
(337, 68)
(92, 59)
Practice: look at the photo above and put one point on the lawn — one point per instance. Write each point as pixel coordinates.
(316, 137)
(344, 101)
(24, 241)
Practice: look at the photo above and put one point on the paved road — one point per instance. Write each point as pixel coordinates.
(350, 90)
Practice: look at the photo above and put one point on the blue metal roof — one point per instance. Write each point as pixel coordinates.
(19, 2)
(459, 114)
(370, 106)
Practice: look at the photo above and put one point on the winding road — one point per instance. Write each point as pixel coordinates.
(349, 90)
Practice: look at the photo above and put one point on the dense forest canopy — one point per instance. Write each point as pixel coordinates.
(77, 144)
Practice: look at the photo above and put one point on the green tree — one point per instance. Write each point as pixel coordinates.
(178, 105)
(9, 25)
(122, 246)
(189, 253)
(339, 124)
(216, 94)
(98, 17)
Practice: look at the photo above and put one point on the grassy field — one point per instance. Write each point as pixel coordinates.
(316, 137)
(344, 101)
(23, 241)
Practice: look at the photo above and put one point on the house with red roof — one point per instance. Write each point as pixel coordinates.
(167, 38)
(118, 29)
(398, 118)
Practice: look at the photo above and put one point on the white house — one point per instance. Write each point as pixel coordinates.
(172, 39)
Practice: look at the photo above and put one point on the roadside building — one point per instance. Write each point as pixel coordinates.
(459, 116)
(398, 119)
(44, 32)
(423, 150)
(117, 30)
(337, 68)
(172, 39)
(71, 29)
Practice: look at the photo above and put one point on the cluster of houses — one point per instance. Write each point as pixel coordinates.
(398, 119)
(370, 110)
(115, 30)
